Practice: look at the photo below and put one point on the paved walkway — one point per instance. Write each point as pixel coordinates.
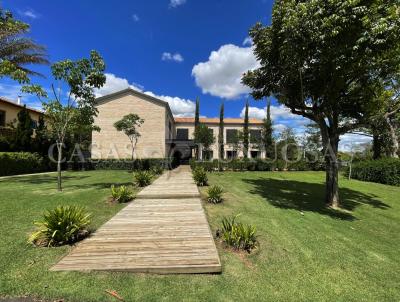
(164, 230)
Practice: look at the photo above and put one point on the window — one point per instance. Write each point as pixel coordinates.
(2, 118)
(255, 136)
(231, 135)
(231, 154)
(182, 134)
(207, 155)
(34, 124)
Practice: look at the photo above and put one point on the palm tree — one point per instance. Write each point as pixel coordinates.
(17, 49)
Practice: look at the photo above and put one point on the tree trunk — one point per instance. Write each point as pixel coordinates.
(394, 139)
(59, 149)
(376, 146)
(332, 173)
(330, 139)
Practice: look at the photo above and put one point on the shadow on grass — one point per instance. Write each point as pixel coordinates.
(41, 179)
(304, 196)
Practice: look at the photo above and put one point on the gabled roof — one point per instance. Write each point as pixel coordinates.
(14, 103)
(190, 120)
(137, 93)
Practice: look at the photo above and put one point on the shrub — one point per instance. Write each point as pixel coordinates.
(142, 178)
(385, 171)
(12, 163)
(157, 170)
(121, 194)
(215, 194)
(200, 176)
(63, 225)
(238, 235)
(137, 164)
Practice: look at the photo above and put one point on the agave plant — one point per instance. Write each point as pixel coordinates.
(63, 225)
(142, 178)
(121, 194)
(215, 194)
(238, 235)
(200, 176)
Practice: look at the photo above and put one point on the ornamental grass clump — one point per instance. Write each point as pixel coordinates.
(142, 178)
(238, 235)
(63, 225)
(121, 194)
(215, 194)
(200, 177)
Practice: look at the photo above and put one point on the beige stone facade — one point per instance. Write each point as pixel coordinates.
(158, 131)
(9, 111)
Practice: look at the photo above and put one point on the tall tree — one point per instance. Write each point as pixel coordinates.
(267, 133)
(221, 133)
(24, 131)
(196, 123)
(322, 59)
(129, 124)
(246, 130)
(81, 77)
(197, 113)
(17, 51)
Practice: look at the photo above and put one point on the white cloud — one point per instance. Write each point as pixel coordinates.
(179, 107)
(279, 112)
(12, 92)
(221, 75)
(176, 3)
(135, 18)
(167, 56)
(29, 13)
(247, 42)
(353, 142)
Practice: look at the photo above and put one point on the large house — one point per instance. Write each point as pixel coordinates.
(9, 110)
(162, 134)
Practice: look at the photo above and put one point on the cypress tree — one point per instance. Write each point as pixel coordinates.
(267, 132)
(221, 133)
(24, 131)
(196, 124)
(197, 113)
(246, 131)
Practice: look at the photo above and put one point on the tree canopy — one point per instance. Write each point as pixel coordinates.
(324, 60)
(16, 50)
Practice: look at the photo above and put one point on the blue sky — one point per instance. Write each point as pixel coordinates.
(174, 49)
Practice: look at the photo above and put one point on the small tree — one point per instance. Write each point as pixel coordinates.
(267, 133)
(236, 141)
(62, 116)
(24, 131)
(221, 133)
(246, 131)
(129, 124)
(204, 136)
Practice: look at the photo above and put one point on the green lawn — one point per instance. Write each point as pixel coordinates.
(307, 253)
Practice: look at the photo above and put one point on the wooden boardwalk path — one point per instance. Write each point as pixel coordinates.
(164, 230)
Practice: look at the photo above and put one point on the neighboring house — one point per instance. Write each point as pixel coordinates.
(162, 135)
(9, 110)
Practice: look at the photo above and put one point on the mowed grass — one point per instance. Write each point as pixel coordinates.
(307, 252)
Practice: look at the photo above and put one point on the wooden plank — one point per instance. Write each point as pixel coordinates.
(164, 231)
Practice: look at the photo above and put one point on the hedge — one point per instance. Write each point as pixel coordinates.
(137, 164)
(384, 171)
(13, 163)
(257, 165)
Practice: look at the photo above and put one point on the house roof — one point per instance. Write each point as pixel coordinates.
(14, 103)
(137, 93)
(190, 120)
